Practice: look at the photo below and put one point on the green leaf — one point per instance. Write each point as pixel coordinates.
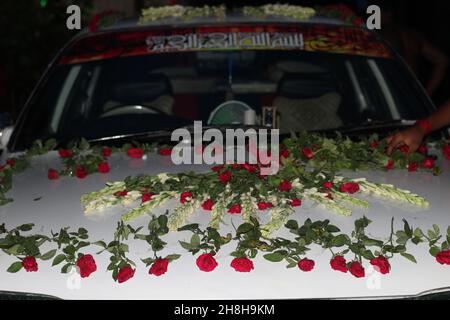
(292, 225)
(418, 233)
(372, 243)
(82, 231)
(66, 267)
(276, 256)
(173, 257)
(195, 240)
(340, 240)
(100, 243)
(187, 246)
(26, 227)
(58, 259)
(407, 229)
(190, 227)
(15, 249)
(332, 229)
(15, 267)
(367, 254)
(48, 255)
(434, 251)
(431, 234)
(409, 257)
(244, 228)
(437, 231)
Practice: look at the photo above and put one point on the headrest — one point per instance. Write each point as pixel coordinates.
(306, 85)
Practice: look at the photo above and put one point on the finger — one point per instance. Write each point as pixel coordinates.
(396, 142)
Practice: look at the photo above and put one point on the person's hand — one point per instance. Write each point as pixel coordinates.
(411, 137)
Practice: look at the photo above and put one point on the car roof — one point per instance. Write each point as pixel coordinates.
(230, 18)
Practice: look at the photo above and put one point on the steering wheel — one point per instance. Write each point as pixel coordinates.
(131, 109)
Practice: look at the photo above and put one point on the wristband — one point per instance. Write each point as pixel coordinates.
(425, 125)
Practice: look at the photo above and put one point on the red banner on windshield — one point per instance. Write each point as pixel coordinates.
(317, 38)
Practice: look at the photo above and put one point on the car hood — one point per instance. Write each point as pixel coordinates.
(51, 205)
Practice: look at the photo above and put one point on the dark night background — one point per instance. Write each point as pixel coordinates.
(32, 31)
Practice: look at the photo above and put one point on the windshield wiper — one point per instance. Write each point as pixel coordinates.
(143, 135)
(168, 133)
(373, 125)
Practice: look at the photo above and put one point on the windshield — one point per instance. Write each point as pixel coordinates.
(128, 95)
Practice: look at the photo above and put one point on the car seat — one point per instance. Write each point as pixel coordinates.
(308, 102)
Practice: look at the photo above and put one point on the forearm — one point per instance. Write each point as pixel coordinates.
(441, 118)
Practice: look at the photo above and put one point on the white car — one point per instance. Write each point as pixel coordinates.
(133, 82)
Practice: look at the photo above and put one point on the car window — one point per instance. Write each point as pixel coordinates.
(311, 91)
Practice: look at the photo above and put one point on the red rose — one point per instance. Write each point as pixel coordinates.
(350, 188)
(307, 152)
(390, 164)
(217, 168)
(443, 257)
(125, 274)
(159, 267)
(121, 194)
(64, 153)
(284, 154)
(264, 205)
(135, 153)
(185, 197)
(242, 264)
(338, 263)
(285, 186)
(80, 172)
(296, 203)
(206, 262)
(103, 167)
(428, 163)
(235, 209)
(10, 162)
(86, 264)
(106, 152)
(413, 166)
(147, 196)
(381, 264)
(208, 205)
(250, 168)
(404, 149)
(306, 265)
(423, 149)
(357, 270)
(447, 151)
(328, 185)
(225, 177)
(165, 151)
(30, 264)
(375, 144)
(53, 174)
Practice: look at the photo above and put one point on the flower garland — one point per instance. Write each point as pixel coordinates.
(223, 190)
(358, 247)
(81, 159)
(284, 10)
(240, 189)
(181, 12)
(341, 12)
